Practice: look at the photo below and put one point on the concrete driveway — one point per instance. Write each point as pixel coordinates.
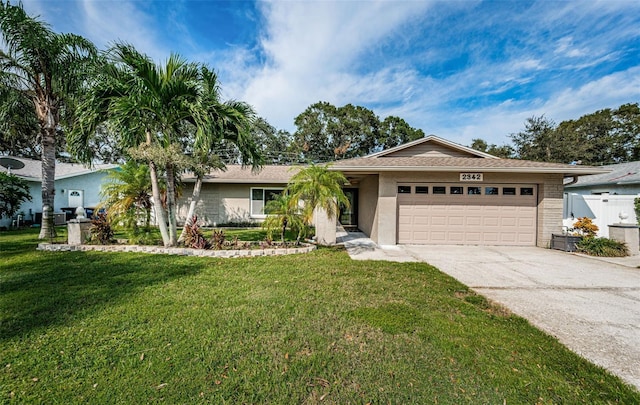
(592, 306)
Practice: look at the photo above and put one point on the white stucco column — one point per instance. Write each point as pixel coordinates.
(387, 210)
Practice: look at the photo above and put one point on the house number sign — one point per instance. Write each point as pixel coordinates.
(470, 176)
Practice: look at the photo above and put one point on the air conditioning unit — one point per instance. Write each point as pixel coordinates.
(59, 218)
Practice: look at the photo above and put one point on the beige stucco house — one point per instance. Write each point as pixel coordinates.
(237, 195)
(430, 191)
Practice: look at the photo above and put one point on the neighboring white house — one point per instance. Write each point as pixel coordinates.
(603, 197)
(75, 184)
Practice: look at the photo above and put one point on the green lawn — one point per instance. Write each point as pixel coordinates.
(95, 327)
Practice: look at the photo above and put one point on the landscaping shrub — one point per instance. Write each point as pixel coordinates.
(193, 235)
(602, 247)
(101, 229)
(584, 226)
(217, 239)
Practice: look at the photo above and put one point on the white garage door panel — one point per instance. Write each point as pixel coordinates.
(467, 219)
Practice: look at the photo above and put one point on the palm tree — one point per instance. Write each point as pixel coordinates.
(127, 195)
(161, 112)
(318, 188)
(284, 212)
(148, 104)
(228, 122)
(48, 68)
(19, 126)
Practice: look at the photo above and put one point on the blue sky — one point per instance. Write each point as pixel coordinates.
(457, 69)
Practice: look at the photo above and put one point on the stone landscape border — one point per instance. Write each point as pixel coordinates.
(57, 247)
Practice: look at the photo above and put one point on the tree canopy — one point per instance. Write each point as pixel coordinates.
(606, 136)
(325, 133)
(47, 69)
(13, 192)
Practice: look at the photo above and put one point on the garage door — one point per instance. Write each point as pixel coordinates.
(500, 214)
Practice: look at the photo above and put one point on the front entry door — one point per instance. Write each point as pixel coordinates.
(349, 215)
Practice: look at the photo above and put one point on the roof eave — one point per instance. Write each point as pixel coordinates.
(604, 183)
(236, 181)
(549, 170)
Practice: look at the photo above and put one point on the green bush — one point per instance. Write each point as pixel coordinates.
(602, 247)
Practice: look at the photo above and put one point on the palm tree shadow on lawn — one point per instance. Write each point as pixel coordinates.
(77, 284)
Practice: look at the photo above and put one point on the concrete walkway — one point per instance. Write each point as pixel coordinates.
(591, 305)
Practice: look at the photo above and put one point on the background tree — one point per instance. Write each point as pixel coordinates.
(355, 132)
(395, 131)
(13, 192)
(275, 143)
(504, 151)
(537, 141)
(326, 133)
(19, 129)
(604, 137)
(313, 139)
(48, 68)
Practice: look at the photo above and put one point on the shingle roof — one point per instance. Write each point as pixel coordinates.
(32, 169)
(420, 163)
(239, 174)
(622, 173)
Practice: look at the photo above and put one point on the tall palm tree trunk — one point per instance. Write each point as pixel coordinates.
(48, 129)
(171, 205)
(157, 203)
(195, 196)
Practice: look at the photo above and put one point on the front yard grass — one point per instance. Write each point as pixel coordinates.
(92, 327)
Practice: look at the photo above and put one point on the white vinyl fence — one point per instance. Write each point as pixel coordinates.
(603, 209)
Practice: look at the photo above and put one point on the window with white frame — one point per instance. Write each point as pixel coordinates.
(260, 197)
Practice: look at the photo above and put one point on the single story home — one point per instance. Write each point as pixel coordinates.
(75, 184)
(236, 195)
(619, 179)
(429, 191)
(433, 191)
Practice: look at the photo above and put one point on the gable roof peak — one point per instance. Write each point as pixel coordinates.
(434, 139)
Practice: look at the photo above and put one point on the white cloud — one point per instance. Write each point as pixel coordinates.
(107, 22)
(311, 49)
(494, 123)
(454, 76)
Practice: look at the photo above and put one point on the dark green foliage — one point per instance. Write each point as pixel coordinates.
(504, 151)
(13, 192)
(193, 237)
(325, 132)
(101, 230)
(602, 247)
(603, 137)
(636, 208)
